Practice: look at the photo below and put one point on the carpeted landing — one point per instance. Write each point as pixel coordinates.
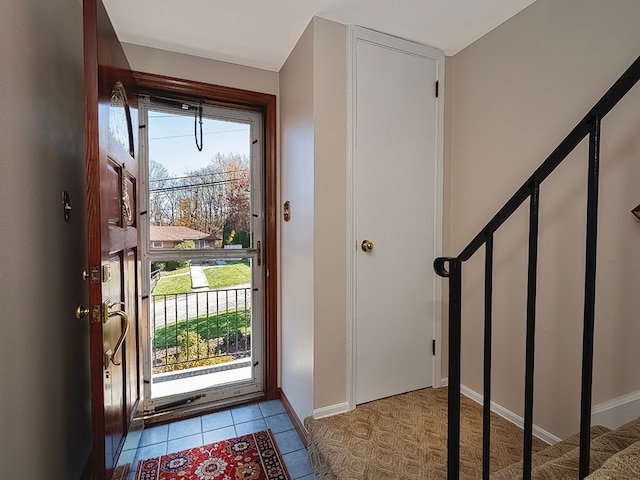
(404, 437)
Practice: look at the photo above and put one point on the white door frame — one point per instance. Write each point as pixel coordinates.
(247, 389)
(358, 34)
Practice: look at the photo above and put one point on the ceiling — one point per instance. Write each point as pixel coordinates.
(262, 33)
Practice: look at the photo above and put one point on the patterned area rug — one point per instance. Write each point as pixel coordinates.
(405, 437)
(249, 457)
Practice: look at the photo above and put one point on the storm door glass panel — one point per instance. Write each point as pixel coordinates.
(198, 199)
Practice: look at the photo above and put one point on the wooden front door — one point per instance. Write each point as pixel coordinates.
(112, 221)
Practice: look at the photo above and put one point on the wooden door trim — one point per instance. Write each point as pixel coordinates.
(189, 90)
(92, 153)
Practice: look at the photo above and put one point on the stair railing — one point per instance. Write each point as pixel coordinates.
(451, 267)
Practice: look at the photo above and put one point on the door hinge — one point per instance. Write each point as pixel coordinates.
(437, 88)
(433, 346)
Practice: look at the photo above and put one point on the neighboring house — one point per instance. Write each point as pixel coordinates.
(167, 237)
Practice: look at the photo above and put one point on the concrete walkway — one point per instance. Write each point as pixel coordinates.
(198, 278)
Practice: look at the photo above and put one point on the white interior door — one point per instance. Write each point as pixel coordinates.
(396, 180)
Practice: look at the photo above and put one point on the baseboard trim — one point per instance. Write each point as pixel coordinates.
(331, 410)
(299, 426)
(617, 411)
(541, 433)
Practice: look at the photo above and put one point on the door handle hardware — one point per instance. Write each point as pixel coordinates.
(82, 312)
(110, 355)
(258, 244)
(367, 246)
(106, 307)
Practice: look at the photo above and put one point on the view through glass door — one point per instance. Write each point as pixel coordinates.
(202, 214)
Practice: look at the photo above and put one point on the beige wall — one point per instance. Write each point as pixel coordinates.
(45, 424)
(297, 235)
(172, 64)
(330, 192)
(513, 95)
(313, 87)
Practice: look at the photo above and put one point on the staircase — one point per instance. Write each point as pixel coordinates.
(592, 448)
(615, 454)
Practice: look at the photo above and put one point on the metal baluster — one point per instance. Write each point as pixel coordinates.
(488, 307)
(531, 328)
(455, 339)
(589, 297)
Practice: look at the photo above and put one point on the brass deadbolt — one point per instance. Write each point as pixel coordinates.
(81, 312)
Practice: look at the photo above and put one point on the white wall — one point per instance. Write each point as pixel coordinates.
(297, 236)
(44, 380)
(515, 94)
(172, 64)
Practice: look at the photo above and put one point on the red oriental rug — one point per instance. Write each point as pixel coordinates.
(249, 457)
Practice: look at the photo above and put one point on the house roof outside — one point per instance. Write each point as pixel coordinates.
(172, 233)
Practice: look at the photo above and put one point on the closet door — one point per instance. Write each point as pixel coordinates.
(397, 189)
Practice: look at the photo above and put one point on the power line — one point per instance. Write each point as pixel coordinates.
(192, 186)
(200, 175)
(206, 133)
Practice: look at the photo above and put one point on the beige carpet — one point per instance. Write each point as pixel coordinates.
(404, 437)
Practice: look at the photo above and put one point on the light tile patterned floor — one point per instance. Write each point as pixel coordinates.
(194, 432)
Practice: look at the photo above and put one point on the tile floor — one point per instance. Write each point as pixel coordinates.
(194, 432)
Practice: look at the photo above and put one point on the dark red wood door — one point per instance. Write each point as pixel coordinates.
(112, 221)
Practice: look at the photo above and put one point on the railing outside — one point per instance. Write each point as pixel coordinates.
(451, 267)
(198, 329)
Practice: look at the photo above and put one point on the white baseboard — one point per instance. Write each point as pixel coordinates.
(510, 416)
(331, 410)
(618, 411)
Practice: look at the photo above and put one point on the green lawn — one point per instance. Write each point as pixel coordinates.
(208, 327)
(220, 276)
(179, 271)
(173, 284)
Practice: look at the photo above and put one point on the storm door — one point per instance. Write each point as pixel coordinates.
(203, 223)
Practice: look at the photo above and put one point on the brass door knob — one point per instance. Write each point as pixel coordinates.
(81, 312)
(367, 246)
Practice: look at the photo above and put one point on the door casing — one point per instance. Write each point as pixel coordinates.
(193, 91)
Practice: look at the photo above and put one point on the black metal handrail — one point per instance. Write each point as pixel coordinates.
(451, 267)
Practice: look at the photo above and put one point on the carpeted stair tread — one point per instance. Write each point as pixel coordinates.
(624, 465)
(602, 448)
(404, 437)
(514, 471)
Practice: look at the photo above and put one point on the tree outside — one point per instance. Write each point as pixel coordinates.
(215, 199)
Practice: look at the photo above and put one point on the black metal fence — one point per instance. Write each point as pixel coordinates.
(451, 267)
(200, 329)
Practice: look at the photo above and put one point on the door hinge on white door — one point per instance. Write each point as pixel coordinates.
(437, 88)
(433, 346)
